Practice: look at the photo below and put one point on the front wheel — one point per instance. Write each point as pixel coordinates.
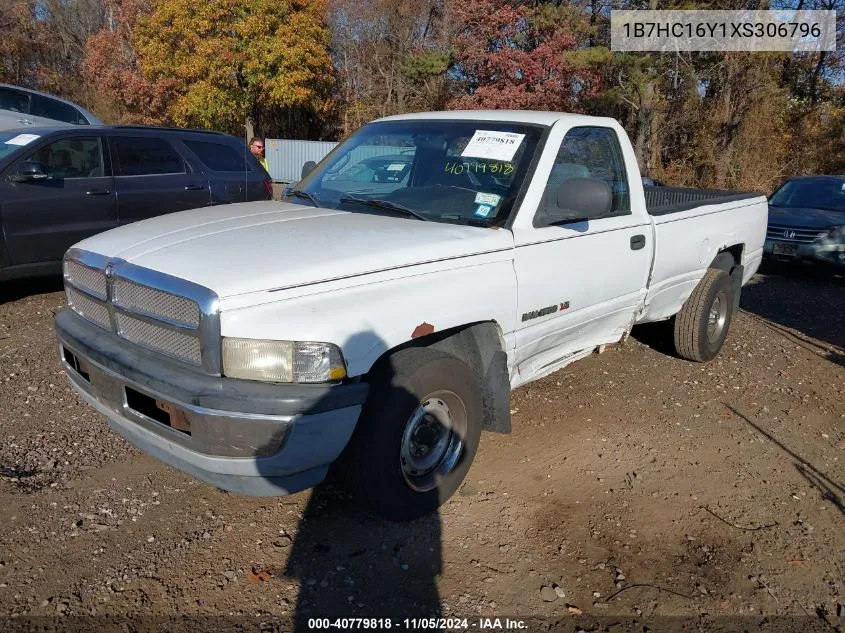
(417, 435)
(702, 325)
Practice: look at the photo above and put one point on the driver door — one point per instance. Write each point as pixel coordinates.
(43, 218)
(579, 283)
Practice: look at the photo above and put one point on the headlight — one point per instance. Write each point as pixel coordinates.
(838, 233)
(282, 361)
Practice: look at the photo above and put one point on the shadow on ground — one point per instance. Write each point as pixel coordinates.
(21, 288)
(348, 563)
(830, 490)
(805, 307)
(807, 301)
(658, 336)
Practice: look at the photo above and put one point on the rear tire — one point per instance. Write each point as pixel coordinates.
(417, 435)
(703, 322)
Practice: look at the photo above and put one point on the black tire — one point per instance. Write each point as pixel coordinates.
(402, 386)
(694, 338)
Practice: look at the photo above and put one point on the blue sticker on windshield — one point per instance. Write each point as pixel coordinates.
(483, 210)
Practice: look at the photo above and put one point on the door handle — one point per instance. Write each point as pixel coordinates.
(194, 187)
(637, 242)
(98, 192)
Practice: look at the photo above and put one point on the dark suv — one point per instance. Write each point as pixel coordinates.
(61, 185)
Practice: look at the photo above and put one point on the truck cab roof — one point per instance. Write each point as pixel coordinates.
(517, 116)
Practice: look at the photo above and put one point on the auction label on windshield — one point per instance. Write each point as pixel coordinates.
(22, 139)
(493, 145)
(783, 30)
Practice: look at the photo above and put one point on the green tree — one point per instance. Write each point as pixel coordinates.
(230, 60)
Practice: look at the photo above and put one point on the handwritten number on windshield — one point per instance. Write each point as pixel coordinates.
(457, 168)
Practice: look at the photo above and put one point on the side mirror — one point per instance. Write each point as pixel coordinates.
(578, 199)
(307, 168)
(30, 170)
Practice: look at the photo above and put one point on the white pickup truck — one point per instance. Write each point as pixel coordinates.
(377, 318)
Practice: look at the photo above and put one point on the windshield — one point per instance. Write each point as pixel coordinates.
(816, 194)
(11, 142)
(465, 172)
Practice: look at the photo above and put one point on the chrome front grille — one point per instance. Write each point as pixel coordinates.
(91, 309)
(162, 313)
(802, 235)
(155, 303)
(169, 341)
(87, 279)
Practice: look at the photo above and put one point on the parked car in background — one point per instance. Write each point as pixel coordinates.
(60, 185)
(22, 107)
(807, 221)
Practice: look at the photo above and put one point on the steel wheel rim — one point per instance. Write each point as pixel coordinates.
(717, 317)
(432, 442)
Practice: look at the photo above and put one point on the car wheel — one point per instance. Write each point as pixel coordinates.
(417, 435)
(703, 322)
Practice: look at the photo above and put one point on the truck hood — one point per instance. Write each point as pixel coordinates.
(251, 247)
(805, 217)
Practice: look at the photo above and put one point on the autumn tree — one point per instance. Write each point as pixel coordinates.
(112, 65)
(392, 58)
(511, 55)
(232, 60)
(20, 41)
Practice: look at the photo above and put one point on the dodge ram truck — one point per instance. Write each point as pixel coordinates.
(376, 319)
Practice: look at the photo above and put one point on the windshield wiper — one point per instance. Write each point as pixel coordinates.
(384, 204)
(299, 193)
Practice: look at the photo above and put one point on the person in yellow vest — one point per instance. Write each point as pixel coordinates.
(256, 146)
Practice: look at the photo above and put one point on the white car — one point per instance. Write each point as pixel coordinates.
(380, 326)
(22, 108)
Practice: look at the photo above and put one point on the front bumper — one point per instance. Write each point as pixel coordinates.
(239, 435)
(827, 252)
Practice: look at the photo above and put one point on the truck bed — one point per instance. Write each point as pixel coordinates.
(665, 200)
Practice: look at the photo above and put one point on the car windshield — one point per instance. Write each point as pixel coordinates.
(14, 141)
(815, 194)
(464, 172)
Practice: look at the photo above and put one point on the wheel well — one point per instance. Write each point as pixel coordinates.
(730, 260)
(481, 346)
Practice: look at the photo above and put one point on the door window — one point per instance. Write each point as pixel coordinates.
(219, 157)
(139, 156)
(52, 109)
(14, 100)
(76, 157)
(591, 152)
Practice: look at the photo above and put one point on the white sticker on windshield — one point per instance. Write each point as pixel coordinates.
(493, 145)
(22, 139)
(487, 198)
(396, 167)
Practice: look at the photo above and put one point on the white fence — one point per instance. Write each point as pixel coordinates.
(286, 157)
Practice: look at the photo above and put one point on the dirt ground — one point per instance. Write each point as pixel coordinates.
(635, 487)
